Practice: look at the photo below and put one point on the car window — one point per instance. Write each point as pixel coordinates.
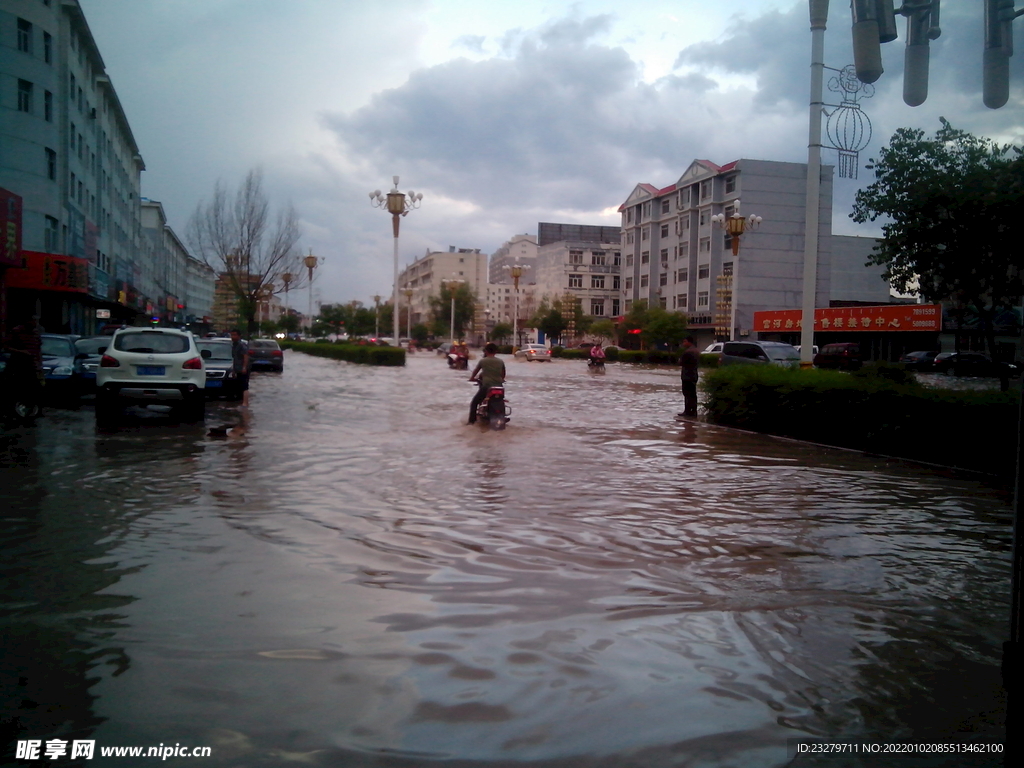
(151, 342)
(782, 353)
(217, 351)
(57, 347)
(91, 346)
(263, 344)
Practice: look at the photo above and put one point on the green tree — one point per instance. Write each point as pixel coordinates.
(288, 323)
(420, 333)
(603, 329)
(950, 206)
(664, 327)
(501, 332)
(553, 324)
(633, 323)
(441, 309)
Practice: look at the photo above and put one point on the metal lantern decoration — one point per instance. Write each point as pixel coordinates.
(847, 126)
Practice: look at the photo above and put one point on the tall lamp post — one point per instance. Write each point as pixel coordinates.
(376, 317)
(735, 226)
(397, 204)
(408, 313)
(286, 278)
(452, 289)
(516, 271)
(311, 262)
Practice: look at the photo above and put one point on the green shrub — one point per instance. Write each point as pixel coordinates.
(973, 429)
(504, 349)
(367, 354)
(611, 354)
(710, 361)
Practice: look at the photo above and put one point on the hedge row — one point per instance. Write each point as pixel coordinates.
(648, 356)
(367, 354)
(883, 411)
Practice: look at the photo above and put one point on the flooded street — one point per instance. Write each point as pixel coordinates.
(354, 577)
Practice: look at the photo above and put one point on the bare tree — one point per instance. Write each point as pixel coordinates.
(247, 246)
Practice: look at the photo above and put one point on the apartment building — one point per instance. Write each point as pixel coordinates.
(426, 276)
(70, 173)
(520, 249)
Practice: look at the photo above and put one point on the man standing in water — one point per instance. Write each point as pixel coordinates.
(240, 364)
(689, 360)
(490, 371)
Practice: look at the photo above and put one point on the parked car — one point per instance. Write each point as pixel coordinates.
(759, 352)
(923, 360)
(219, 364)
(814, 348)
(88, 352)
(531, 352)
(971, 364)
(266, 353)
(60, 368)
(844, 356)
(713, 349)
(144, 366)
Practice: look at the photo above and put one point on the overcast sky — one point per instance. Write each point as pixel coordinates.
(502, 114)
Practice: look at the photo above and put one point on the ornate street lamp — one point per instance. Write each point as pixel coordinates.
(408, 313)
(397, 204)
(376, 321)
(311, 262)
(516, 271)
(734, 226)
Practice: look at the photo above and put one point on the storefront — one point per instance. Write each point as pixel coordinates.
(53, 286)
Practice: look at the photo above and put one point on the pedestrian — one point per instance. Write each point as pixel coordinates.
(689, 361)
(240, 363)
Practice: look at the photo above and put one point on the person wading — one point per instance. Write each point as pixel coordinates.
(689, 361)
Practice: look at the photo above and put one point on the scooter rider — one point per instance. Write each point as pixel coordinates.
(596, 355)
(490, 372)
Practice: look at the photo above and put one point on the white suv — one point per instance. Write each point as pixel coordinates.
(151, 365)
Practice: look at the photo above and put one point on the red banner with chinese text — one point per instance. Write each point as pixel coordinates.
(885, 317)
(51, 272)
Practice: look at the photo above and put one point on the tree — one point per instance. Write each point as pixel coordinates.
(441, 309)
(553, 324)
(247, 246)
(603, 329)
(501, 332)
(420, 333)
(289, 322)
(664, 327)
(951, 204)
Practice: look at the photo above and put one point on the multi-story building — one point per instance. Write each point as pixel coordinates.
(521, 249)
(67, 151)
(587, 270)
(199, 282)
(425, 277)
(166, 277)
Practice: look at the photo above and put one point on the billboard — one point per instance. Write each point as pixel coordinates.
(10, 229)
(51, 272)
(885, 317)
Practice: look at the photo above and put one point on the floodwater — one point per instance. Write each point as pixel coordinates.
(354, 577)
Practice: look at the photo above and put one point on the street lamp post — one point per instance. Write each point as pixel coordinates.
(735, 226)
(397, 204)
(376, 320)
(311, 262)
(452, 289)
(516, 270)
(286, 278)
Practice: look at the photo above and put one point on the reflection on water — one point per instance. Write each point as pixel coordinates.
(349, 575)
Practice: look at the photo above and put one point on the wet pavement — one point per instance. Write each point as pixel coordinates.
(348, 575)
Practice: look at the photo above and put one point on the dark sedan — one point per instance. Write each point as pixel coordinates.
(266, 353)
(219, 366)
(919, 361)
(88, 352)
(972, 364)
(62, 371)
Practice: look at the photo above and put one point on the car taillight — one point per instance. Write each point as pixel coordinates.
(195, 364)
(109, 362)
(277, 353)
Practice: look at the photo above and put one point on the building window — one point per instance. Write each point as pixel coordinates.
(664, 230)
(645, 233)
(25, 96)
(629, 215)
(617, 259)
(24, 36)
(684, 197)
(703, 271)
(51, 164)
(705, 189)
(575, 281)
(727, 268)
(702, 299)
(730, 184)
(597, 257)
(647, 209)
(47, 47)
(681, 301)
(666, 204)
(645, 257)
(682, 275)
(72, 135)
(575, 257)
(705, 245)
(629, 237)
(629, 283)
(597, 307)
(81, 147)
(81, 194)
(663, 302)
(48, 106)
(597, 281)
(615, 307)
(50, 235)
(616, 282)
(705, 216)
(643, 281)
(664, 256)
(663, 278)
(629, 259)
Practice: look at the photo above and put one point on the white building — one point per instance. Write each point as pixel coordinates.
(200, 279)
(588, 271)
(425, 277)
(67, 150)
(674, 258)
(520, 249)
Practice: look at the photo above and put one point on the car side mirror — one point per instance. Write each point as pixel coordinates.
(206, 354)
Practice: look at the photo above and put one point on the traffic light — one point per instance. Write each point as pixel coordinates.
(999, 16)
(922, 28)
(874, 23)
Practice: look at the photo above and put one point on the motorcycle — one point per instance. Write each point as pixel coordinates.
(493, 409)
(457, 362)
(21, 394)
(597, 363)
